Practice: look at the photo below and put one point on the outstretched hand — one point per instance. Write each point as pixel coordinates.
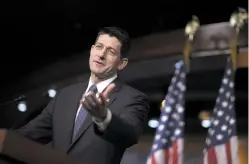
(95, 104)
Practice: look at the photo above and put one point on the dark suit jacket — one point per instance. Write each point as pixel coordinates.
(129, 109)
(19, 150)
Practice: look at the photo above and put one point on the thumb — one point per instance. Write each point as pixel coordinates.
(108, 89)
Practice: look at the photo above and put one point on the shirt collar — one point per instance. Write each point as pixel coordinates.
(103, 84)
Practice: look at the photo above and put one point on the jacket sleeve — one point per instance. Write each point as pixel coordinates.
(40, 128)
(125, 128)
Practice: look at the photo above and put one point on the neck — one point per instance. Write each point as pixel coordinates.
(97, 79)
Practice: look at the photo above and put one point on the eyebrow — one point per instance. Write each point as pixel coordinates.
(98, 43)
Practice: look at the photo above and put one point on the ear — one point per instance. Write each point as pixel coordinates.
(122, 64)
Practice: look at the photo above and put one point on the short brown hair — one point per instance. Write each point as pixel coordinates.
(121, 35)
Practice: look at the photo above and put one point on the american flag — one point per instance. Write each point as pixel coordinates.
(221, 142)
(168, 141)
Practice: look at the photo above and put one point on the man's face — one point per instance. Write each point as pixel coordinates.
(105, 59)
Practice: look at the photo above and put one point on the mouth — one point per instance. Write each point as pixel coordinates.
(99, 63)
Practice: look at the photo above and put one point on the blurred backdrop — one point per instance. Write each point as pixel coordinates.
(45, 47)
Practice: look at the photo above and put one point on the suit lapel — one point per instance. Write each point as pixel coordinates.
(112, 97)
(70, 113)
(88, 121)
(113, 94)
(83, 128)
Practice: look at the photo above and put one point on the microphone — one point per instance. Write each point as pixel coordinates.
(22, 97)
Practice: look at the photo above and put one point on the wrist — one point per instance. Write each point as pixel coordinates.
(102, 117)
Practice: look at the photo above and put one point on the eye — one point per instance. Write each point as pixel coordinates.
(98, 46)
(111, 52)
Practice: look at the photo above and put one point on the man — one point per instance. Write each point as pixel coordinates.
(97, 120)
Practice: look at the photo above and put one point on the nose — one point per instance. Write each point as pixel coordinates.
(101, 54)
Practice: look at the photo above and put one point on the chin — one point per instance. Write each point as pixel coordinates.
(98, 72)
(95, 70)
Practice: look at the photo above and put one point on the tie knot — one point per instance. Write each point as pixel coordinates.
(93, 88)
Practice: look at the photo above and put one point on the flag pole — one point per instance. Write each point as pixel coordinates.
(237, 21)
(190, 30)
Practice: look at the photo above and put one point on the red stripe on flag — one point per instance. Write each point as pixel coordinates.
(211, 156)
(175, 153)
(228, 153)
(153, 160)
(166, 156)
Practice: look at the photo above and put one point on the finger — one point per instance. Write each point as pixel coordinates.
(100, 98)
(92, 100)
(86, 104)
(96, 98)
(108, 89)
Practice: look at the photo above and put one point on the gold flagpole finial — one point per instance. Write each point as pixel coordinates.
(190, 30)
(162, 104)
(237, 21)
(191, 27)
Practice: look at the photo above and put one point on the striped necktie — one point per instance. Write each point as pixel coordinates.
(80, 118)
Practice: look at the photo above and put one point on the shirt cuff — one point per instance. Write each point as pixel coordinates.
(102, 125)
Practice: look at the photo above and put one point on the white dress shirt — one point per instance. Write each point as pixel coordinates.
(101, 86)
